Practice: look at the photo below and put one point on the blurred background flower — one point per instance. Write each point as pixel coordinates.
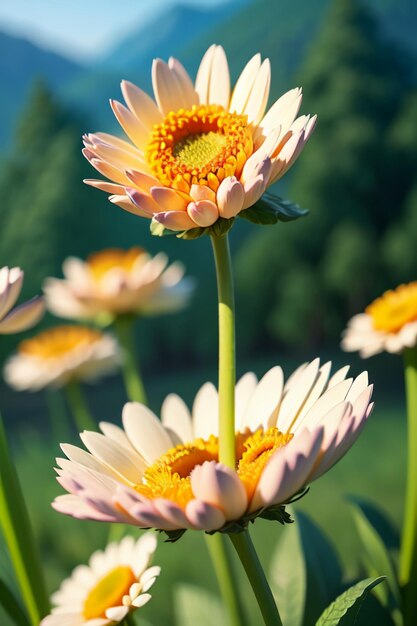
(23, 316)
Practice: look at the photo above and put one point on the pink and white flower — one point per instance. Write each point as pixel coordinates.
(23, 316)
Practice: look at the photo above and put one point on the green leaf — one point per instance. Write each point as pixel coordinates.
(159, 230)
(272, 209)
(288, 577)
(348, 604)
(193, 605)
(11, 606)
(376, 559)
(384, 526)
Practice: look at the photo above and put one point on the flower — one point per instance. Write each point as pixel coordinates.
(200, 151)
(114, 584)
(165, 474)
(389, 323)
(114, 282)
(23, 316)
(58, 355)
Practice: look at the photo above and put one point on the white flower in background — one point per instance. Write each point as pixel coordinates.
(23, 316)
(201, 151)
(115, 282)
(165, 474)
(59, 355)
(113, 584)
(389, 324)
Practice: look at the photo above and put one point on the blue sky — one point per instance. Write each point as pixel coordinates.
(80, 29)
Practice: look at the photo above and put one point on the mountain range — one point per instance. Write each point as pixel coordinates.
(281, 30)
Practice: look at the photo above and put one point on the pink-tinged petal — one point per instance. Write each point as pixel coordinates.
(23, 317)
(148, 517)
(258, 99)
(328, 400)
(142, 180)
(220, 486)
(230, 197)
(81, 457)
(204, 516)
(12, 286)
(143, 201)
(103, 185)
(202, 192)
(256, 164)
(145, 431)
(171, 512)
(282, 113)
(125, 203)
(253, 191)
(288, 470)
(109, 171)
(175, 220)
(244, 85)
(115, 433)
(133, 128)
(296, 395)
(204, 213)
(168, 199)
(261, 409)
(202, 81)
(190, 96)
(167, 88)
(124, 462)
(141, 105)
(176, 417)
(120, 158)
(75, 507)
(219, 90)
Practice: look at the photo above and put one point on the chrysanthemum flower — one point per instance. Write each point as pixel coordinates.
(388, 324)
(114, 584)
(165, 474)
(115, 282)
(59, 355)
(23, 316)
(198, 152)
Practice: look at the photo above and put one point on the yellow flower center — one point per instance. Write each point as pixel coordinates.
(101, 262)
(394, 309)
(108, 592)
(201, 146)
(169, 477)
(59, 341)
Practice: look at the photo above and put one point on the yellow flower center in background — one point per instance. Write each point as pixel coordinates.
(169, 477)
(108, 592)
(394, 309)
(99, 263)
(59, 341)
(201, 146)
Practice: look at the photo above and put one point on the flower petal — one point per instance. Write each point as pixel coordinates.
(220, 486)
(145, 431)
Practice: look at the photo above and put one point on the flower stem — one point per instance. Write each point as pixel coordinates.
(124, 326)
(247, 554)
(57, 415)
(17, 531)
(79, 408)
(216, 545)
(227, 368)
(408, 554)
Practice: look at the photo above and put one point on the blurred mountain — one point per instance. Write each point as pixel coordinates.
(21, 63)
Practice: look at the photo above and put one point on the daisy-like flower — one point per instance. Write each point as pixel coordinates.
(388, 324)
(60, 355)
(113, 584)
(23, 316)
(115, 282)
(165, 474)
(199, 151)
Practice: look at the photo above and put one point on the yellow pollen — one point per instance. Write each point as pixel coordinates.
(59, 341)
(200, 146)
(169, 477)
(394, 309)
(99, 263)
(108, 592)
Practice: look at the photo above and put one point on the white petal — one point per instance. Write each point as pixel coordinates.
(145, 431)
(263, 403)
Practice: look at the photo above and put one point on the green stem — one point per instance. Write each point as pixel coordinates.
(79, 408)
(18, 534)
(216, 545)
(247, 554)
(124, 326)
(227, 368)
(57, 415)
(408, 554)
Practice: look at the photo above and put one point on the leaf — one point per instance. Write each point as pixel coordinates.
(376, 558)
(384, 526)
(193, 605)
(11, 606)
(348, 603)
(271, 209)
(288, 577)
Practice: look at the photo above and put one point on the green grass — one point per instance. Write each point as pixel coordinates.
(373, 468)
